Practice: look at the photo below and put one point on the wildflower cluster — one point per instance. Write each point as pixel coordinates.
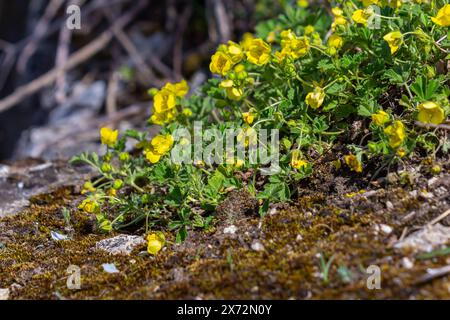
(367, 79)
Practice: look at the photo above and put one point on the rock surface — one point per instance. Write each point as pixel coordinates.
(28, 178)
(122, 244)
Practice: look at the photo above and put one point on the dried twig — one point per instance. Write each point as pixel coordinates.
(430, 125)
(74, 60)
(113, 84)
(39, 31)
(178, 45)
(439, 218)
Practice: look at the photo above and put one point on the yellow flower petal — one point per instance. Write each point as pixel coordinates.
(430, 112)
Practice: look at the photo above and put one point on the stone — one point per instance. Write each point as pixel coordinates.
(4, 294)
(257, 246)
(122, 244)
(426, 239)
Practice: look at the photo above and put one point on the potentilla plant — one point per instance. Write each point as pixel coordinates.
(371, 76)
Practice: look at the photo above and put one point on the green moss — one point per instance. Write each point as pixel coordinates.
(215, 265)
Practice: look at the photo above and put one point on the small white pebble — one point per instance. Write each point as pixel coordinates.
(389, 205)
(257, 246)
(386, 229)
(4, 294)
(230, 230)
(407, 263)
(299, 238)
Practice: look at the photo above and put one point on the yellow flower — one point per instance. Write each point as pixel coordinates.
(248, 117)
(337, 12)
(178, 89)
(360, 16)
(396, 134)
(430, 112)
(164, 101)
(89, 206)
(258, 52)
(338, 21)
(162, 144)
(315, 98)
(309, 30)
(353, 162)
(288, 35)
(367, 3)
(296, 162)
(159, 146)
(221, 63)
(335, 41)
(443, 16)
(247, 39)
(163, 117)
(299, 47)
(247, 137)
(401, 152)
(155, 242)
(395, 4)
(394, 40)
(187, 112)
(380, 118)
(271, 37)
(234, 93)
(235, 52)
(88, 187)
(303, 3)
(108, 136)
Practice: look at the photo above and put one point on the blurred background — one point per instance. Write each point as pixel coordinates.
(58, 86)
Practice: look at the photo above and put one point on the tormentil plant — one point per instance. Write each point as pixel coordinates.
(314, 74)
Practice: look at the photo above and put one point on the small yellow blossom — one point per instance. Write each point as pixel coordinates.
(353, 162)
(221, 63)
(443, 16)
(396, 134)
(367, 3)
(361, 16)
(155, 242)
(335, 41)
(106, 167)
(337, 12)
(309, 29)
(234, 93)
(235, 52)
(296, 162)
(187, 112)
(259, 52)
(271, 37)
(108, 136)
(394, 40)
(380, 118)
(401, 152)
(338, 21)
(178, 89)
(164, 101)
(124, 156)
(315, 98)
(247, 39)
(89, 206)
(303, 3)
(159, 146)
(88, 187)
(248, 117)
(247, 136)
(430, 112)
